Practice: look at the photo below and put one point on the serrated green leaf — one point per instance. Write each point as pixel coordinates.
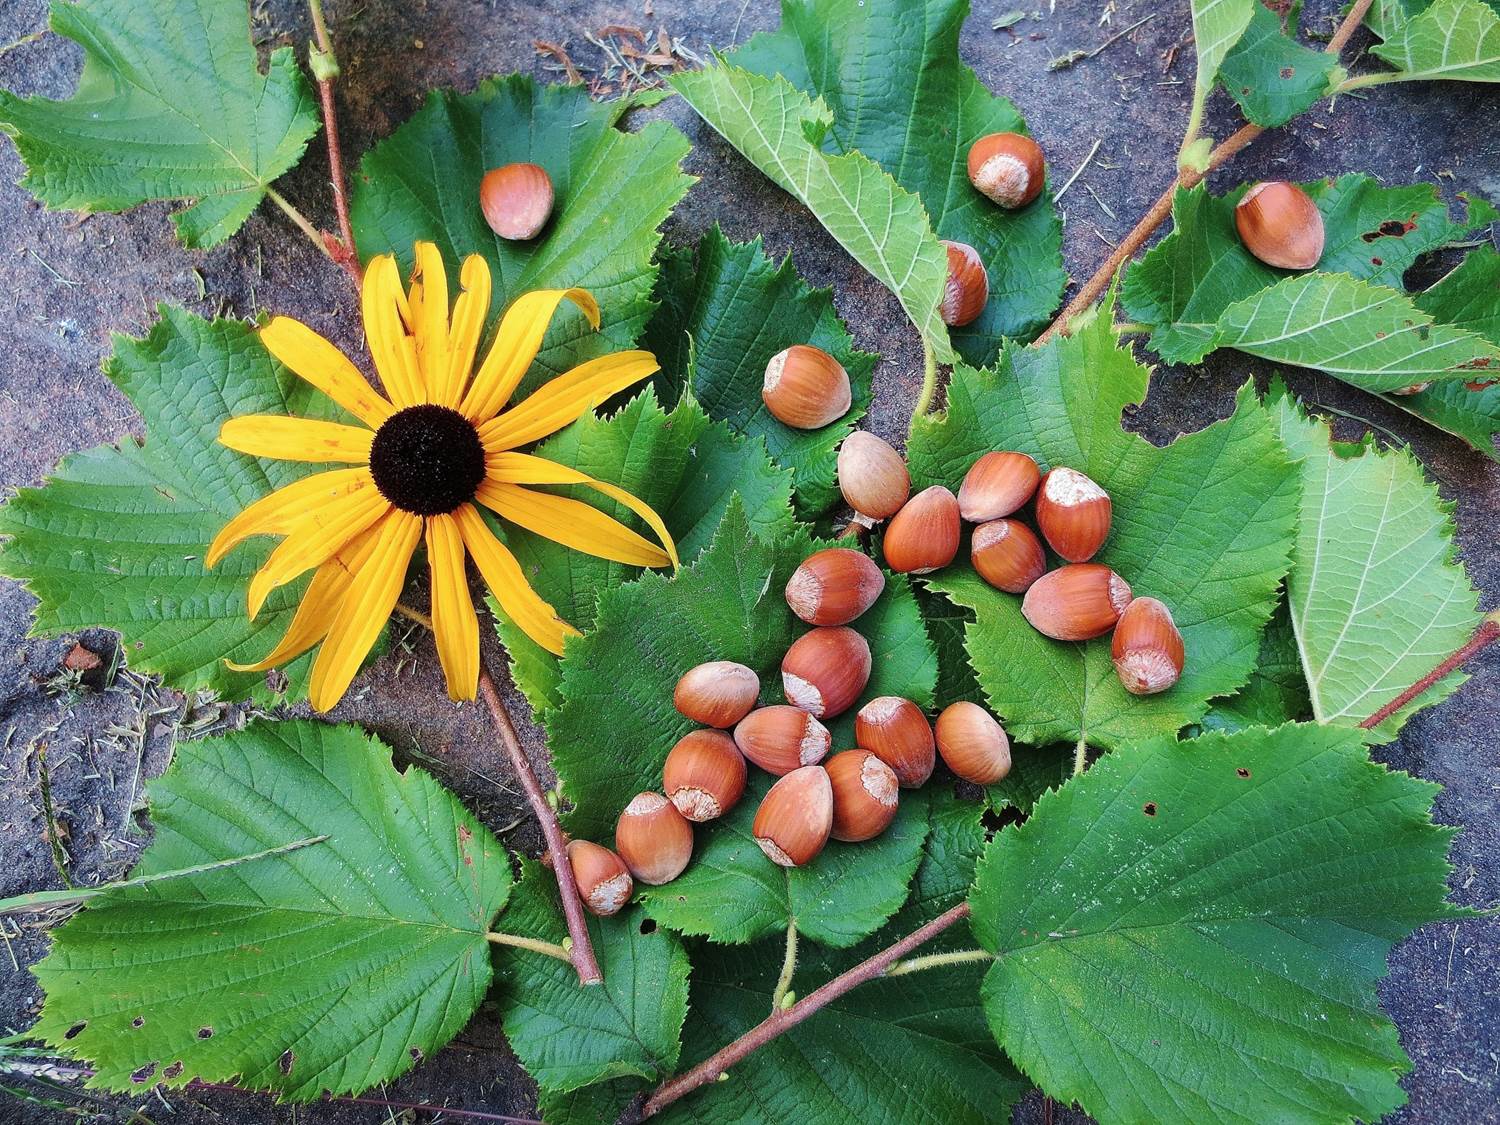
(331, 968)
(1203, 524)
(724, 310)
(1207, 949)
(616, 723)
(882, 226)
(1447, 39)
(1217, 27)
(1271, 75)
(116, 537)
(612, 192)
(599, 1104)
(1183, 285)
(685, 466)
(1276, 692)
(171, 105)
(895, 1050)
(1033, 771)
(731, 894)
(890, 74)
(567, 1036)
(1376, 595)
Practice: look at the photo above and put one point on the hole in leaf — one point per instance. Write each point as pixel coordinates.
(76, 1029)
(1376, 262)
(205, 1033)
(415, 1052)
(143, 1074)
(173, 1071)
(139, 1021)
(1288, 71)
(648, 925)
(1241, 771)
(287, 1061)
(1149, 808)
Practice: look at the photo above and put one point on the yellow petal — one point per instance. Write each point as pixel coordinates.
(570, 522)
(314, 539)
(296, 439)
(386, 315)
(318, 607)
(280, 511)
(553, 405)
(516, 345)
(454, 623)
(503, 575)
(469, 313)
(522, 468)
(365, 608)
(320, 363)
(429, 313)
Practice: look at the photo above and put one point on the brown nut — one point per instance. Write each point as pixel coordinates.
(717, 694)
(997, 485)
(864, 795)
(896, 732)
(1147, 648)
(1073, 514)
(516, 200)
(973, 743)
(1076, 602)
(834, 586)
(653, 839)
(704, 774)
(795, 817)
(872, 476)
(1281, 225)
(1008, 555)
(780, 739)
(967, 289)
(806, 388)
(1008, 168)
(825, 670)
(603, 881)
(923, 536)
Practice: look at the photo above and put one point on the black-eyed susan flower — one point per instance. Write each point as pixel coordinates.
(437, 443)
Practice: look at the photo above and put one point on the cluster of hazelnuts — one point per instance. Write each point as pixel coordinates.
(850, 796)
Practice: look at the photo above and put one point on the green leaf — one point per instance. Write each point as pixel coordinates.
(602, 1102)
(568, 1037)
(1448, 39)
(613, 190)
(889, 73)
(1208, 946)
(1376, 595)
(116, 536)
(1217, 27)
(882, 226)
(895, 1050)
(170, 105)
(732, 894)
(725, 309)
(1033, 771)
(1276, 692)
(332, 968)
(688, 468)
(1203, 524)
(616, 722)
(1184, 284)
(1271, 75)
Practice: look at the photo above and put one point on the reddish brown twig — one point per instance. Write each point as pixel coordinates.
(778, 1023)
(325, 68)
(1095, 286)
(582, 953)
(1487, 633)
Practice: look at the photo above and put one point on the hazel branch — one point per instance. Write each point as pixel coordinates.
(325, 68)
(780, 1022)
(1095, 286)
(1486, 635)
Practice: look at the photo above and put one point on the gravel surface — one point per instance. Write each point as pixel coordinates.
(71, 281)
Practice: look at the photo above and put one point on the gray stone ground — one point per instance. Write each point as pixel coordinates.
(66, 283)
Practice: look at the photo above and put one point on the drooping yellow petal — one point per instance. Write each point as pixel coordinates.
(314, 539)
(503, 575)
(516, 345)
(429, 316)
(296, 439)
(553, 405)
(320, 363)
(387, 315)
(454, 624)
(522, 468)
(469, 313)
(570, 522)
(365, 608)
(319, 606)
(278, 512)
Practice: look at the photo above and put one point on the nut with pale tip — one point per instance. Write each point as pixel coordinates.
(1008, 555)
(653, 839)
(923, 536)
(795, 817)
(781, 738)
(865, 795)
(997, 485)
(1073, 514)
(896, 732)
(872, 476)
(1076, 602)
(1007, 168)
(825, 670)
(717, 694)
(834, 586)
(1146, 648)
(806, 388)
(516, 200)
(604, 882)
(967, 289)
(704, 774)
(972, 743)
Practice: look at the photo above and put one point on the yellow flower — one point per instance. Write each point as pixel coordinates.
(440, 442)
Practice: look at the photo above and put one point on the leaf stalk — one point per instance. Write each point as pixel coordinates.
(535, 945)
(938, 961)
(788, 966)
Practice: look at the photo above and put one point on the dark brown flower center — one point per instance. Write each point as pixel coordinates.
(427, 459)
